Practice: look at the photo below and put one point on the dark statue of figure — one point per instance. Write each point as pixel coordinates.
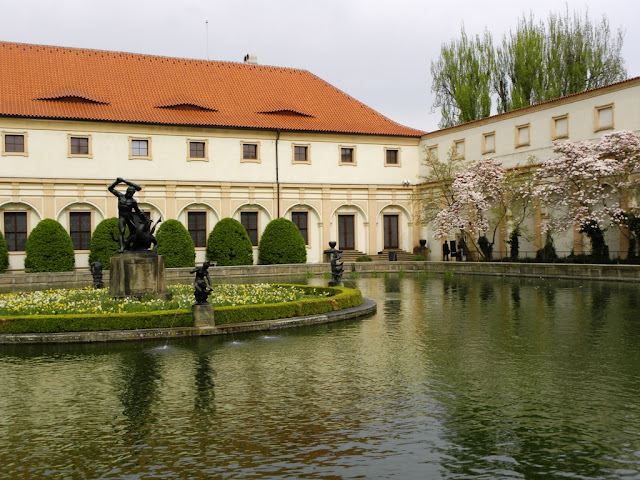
(127, 207)
(202, 284)
(142, 238)
(336, 267)
(96, 273)
(336, 264)
(141, 228)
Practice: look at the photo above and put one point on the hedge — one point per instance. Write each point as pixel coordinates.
(281, 243)
(49, 248)
(4, 254)
(175, 243)
(103, 246)
(95, 322)
(229, 244)
(339, 299)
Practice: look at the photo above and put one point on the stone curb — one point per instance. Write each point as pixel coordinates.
(367, 308)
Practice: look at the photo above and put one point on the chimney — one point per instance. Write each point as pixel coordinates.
(250, 59)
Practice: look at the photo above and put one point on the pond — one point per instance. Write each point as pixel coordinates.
(454, 377)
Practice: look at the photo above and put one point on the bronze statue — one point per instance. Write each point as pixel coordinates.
(336, 264)
(127, 206)
(202, 287)
(142, 238)
(96, 273)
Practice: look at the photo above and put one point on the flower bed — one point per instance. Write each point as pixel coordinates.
(90, 310)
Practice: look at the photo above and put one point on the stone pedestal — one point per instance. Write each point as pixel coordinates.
(203, 315)
(136, 274)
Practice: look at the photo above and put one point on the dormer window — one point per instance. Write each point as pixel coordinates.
(286, 112)
(187, 106)
(73, 95)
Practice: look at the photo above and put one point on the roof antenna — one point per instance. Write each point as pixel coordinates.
(206, 23)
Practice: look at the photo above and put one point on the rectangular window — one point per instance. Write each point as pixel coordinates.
(346, 233)
(301, 153)
(523, 135)
(604, 117)
(250, 222)
(459, 148)
(488, 142)
(392, 156)
(140, 148)
(560, 127)
(250, 151)
(79, 146)
(197, 226)
(15, 230)
(391, 231)
(14, 144)
(432, 151)
(80, 229)
(197, 150)
(347, 155)
(300, 219)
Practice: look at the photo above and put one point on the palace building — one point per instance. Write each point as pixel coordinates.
(208, 140)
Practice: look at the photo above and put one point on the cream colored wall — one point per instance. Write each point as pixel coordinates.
(48, 146)
(580, 109)
(48, 183)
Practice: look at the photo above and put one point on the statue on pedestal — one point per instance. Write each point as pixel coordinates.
(202, 284)
(141, 271)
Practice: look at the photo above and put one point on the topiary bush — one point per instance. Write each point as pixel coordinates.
(175, 243)
(4, 254)
(364, 258)
(418, 258)
(229, 244)
(281, 243)
(103, 246)
(49, 248)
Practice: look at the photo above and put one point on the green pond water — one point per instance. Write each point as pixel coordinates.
(462, 377)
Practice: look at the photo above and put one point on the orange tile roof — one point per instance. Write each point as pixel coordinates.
(68, 83)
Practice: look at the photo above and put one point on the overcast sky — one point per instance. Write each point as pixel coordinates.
(377, 51)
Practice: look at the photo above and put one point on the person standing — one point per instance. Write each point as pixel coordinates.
(445, 251)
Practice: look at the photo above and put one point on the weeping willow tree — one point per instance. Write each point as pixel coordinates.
(462, 79)
(538, 61)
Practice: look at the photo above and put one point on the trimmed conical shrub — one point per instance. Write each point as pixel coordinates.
(49, 248)
(4, 254)
(175, 243)
(229, 244)
(281, 242)
(103, 246)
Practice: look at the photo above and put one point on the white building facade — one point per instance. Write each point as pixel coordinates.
(209, 140)
(514, 137)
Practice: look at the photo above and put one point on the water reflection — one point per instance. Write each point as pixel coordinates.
(204, 401)
(137, 379)
(460, 377)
